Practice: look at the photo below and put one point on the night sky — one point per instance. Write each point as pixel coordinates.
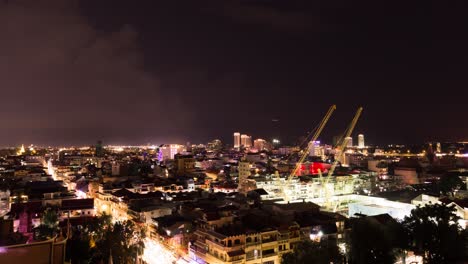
(134, 72)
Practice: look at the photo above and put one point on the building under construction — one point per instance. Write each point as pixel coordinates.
(317, 187)
(298, 189)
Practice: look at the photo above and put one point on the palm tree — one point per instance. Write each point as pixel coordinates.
(50, 218)
(49, 224)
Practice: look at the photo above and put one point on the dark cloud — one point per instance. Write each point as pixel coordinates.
(267, 16)
(61, 78)
(198, 70)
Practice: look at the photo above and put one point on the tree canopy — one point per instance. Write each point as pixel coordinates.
(435, 234)
(95, 242)
(49, 225)
(371, 241)
(448, 184)
(307, 252)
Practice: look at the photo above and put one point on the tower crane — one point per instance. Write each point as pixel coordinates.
(341, 146)
(305, 153)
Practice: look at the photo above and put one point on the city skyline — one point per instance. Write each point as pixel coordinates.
(164, 72)
(233, 132)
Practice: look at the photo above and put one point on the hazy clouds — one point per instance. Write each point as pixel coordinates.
(62, 79)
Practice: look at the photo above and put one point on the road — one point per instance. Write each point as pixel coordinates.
(156, 253)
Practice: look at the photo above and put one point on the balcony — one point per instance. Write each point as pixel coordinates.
(197, 250)
(234, 260)
(273, 239)
(270, 255)
(253, 243)
(253, 258)
(222, 247)
(269, 243)
(220, 260)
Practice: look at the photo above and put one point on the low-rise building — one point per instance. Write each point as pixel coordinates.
(145, 213)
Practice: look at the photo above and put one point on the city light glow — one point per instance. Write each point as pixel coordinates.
(81, 194)
(155, 253)
(51, 170)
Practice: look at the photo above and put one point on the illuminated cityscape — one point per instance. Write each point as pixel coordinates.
(203, 205)
(233, 132)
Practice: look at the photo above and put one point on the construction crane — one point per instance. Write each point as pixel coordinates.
(341, 146)
(305, 153)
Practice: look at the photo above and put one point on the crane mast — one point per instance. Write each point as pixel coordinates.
(342, 147)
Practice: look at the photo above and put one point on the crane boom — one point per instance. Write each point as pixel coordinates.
(317, 133)
(344, 142)
(314, 138)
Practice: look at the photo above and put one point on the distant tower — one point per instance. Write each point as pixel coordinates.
(361, 143)
(22, 150)
(237, 140)
(350, 142)
(430, 155)
(439, 147)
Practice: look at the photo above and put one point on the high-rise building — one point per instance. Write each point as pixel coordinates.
(244, 173)
(260, 144)
(350, 142)
(237, 140)
(315, 149)
(361, 143)
(168, 151)
(185, 163)
(244, 169)
(243, 139)
(246, 140)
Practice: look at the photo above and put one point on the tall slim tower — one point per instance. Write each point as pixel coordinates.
(361, 143)
(350, 142)
(237, 140)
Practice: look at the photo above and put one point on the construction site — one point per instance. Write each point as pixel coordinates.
(329, 190)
